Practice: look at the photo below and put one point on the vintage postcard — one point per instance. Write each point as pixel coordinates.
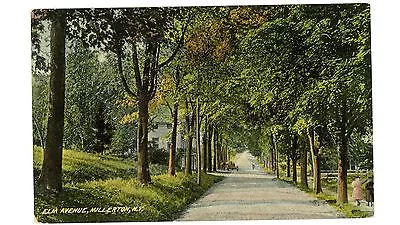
(202, 113)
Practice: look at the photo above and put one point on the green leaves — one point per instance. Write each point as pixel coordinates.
(296, 69)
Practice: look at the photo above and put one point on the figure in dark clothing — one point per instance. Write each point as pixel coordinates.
(252, 165)
(370, 191)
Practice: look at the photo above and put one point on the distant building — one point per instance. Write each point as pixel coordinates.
(159, 136)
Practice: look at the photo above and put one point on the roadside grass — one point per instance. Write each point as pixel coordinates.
(329, 186)
(98, 185)
(81, 166)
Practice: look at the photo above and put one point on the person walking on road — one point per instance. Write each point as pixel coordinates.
(370, 191)
(357, 190)
(252, 165)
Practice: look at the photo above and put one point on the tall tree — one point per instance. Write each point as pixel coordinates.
(147, 34)
(341, 96)
(294, 155)
(51, 176)
(153, 24)
(173, 89)
(303, 163)
(190, 117)
(209, 147)
(198, 150)
(316, 158)
(205, 147)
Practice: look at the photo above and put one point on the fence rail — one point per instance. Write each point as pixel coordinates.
(331, 173)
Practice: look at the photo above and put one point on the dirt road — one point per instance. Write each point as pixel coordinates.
(250, 194)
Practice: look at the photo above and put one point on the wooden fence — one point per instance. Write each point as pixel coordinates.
(334, 173)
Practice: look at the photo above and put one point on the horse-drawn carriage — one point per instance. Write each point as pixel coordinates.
(230, 166)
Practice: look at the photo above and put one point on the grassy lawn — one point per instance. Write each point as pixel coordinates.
(103, 188)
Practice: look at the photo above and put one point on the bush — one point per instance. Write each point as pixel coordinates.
(157, 155)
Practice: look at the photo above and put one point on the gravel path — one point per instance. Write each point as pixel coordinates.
(250, 194)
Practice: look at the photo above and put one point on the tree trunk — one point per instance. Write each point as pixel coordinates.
(188, 162)
(209, 156)
(172, 151)
(310, 162)
(216, 146)
(204, 149)
(316, 158)
(303, 168)
(222, 151)
(198, 142)
(288, 166)
(294, 168)
(143, 163)
(214, 141)
(294, 156)
(273, 162)
(342, 173)
(51, 176)
(317, 174)
(219, 150)
(343, 158)
(277, 164)
(227, 153)
(274, 145)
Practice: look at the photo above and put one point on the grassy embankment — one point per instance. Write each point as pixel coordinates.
(103, 188)
(329, 186)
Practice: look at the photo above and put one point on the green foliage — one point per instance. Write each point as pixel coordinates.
(329, 159)
(91, 91)
(123, 141)
(39, 107)
(158, 155)
(361, 153)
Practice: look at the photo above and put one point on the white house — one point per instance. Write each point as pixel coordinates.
(160, 136)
